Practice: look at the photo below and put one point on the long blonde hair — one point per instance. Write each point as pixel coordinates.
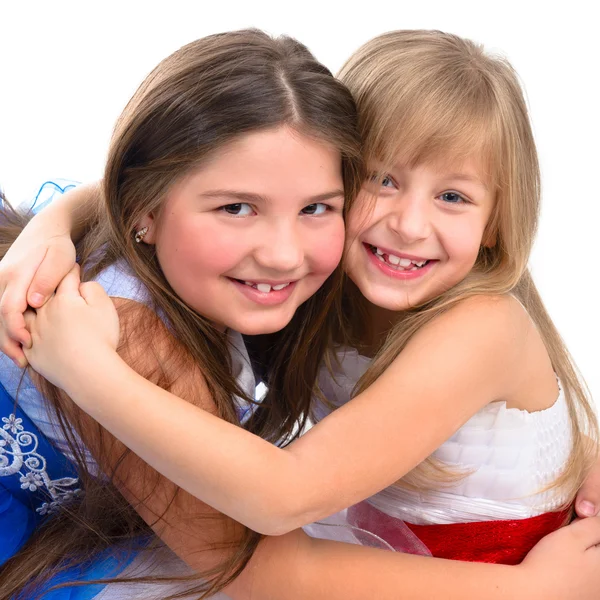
(426, 96)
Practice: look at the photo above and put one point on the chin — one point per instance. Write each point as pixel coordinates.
(261, 326)
(387, 299)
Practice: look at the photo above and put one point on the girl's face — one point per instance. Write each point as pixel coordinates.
(421, 236)
(254, 232)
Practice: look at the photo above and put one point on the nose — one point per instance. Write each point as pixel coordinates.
(281, 248)
(410, 218)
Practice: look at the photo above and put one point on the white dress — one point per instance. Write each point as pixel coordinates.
(509, 455)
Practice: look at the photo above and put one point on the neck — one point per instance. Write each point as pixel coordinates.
(381, 321)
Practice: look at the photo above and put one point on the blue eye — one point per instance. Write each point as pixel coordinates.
(453, 198)
(240, 209)
(315, 209)
(384, 181)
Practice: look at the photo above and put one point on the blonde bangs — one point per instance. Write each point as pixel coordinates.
(422, 102)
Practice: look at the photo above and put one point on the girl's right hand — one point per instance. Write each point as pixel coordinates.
(72, 331)
(566, 564)
(29, 273)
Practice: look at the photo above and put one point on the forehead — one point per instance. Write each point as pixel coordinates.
(270, 151)
(277, 164)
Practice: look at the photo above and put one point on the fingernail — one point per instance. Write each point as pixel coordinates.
(37, 299)
(587, 509)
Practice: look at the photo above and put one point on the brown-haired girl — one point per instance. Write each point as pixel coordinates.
(223, 214)
(371, 441)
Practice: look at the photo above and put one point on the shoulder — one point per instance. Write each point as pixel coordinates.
(483, 318)
(119, 281)
(479, 339)
(150, 347)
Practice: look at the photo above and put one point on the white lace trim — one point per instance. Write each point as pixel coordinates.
(19, 456)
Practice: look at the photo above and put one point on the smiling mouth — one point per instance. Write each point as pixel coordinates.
(265, 288)
(397, 262)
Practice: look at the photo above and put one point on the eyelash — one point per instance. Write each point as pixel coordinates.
(226, 206)
(463, 199)
(328, 208)
(388, 178)
(379, 178)
(239, 204)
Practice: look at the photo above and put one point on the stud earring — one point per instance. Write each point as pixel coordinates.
(139, 235)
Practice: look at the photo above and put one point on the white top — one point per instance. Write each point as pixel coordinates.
(119, 282)
(509, 455)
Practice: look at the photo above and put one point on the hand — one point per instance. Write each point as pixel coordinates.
(71, 331)
(566, 563)
(587, 503)
(29, 273)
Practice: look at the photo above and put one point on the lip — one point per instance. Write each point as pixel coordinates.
(396, 253)
(271, 282)
(389, 271)
(272, 298)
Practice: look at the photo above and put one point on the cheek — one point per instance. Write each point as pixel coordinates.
(325, 248)
(362, 215)
(190, 248)
(463, 243)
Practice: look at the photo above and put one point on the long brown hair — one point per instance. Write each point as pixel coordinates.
(200, 98)
(428, 95)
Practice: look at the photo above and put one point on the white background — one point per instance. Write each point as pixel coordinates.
(68, 68)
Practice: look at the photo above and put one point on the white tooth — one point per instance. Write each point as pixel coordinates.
(380, 258)
(420, 263)
(393, 259)
(280, 286)
(263, 287)
(379, 251)
(249, 283)
(405, 262)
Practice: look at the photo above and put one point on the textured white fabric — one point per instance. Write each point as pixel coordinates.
(508, 455)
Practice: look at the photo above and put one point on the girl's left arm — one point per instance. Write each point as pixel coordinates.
(449, 370)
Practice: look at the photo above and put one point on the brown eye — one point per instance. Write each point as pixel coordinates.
(240, 209)
(315, 209)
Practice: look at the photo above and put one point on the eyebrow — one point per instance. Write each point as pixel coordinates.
(468, 178)
(250, 197)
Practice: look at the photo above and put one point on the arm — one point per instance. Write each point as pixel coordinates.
(311, 478)
(554, 569)
(295, 567)
(38, 259)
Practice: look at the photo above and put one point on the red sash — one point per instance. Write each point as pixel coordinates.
(505, 542)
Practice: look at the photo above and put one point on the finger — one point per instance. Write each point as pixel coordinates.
(14, 351)
(587, 531)
(56, 263)
(30, 317)
(94, 293)
(70, 283)
(12, 307)
(587, 503)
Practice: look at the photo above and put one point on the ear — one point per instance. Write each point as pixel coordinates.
(150, 222)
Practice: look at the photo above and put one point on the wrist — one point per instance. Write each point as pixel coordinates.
(50, 223)
(94, 374)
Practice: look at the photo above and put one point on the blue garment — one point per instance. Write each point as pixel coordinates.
(29, 488)
(35, 479)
